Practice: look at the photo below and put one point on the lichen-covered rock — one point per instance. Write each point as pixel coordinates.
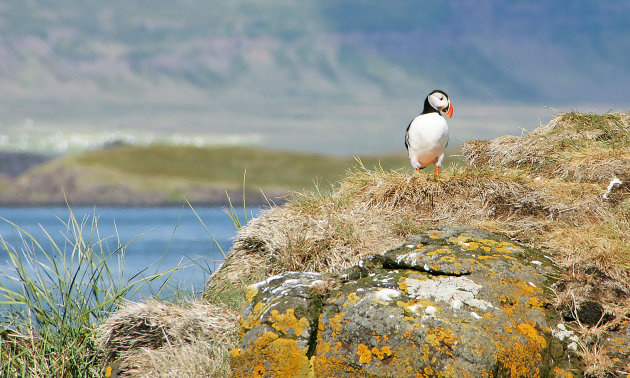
(279, 326)
(617, 346)
(449, 302)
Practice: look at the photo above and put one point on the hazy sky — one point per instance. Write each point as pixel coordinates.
(327, 76)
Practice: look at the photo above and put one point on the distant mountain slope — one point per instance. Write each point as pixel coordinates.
(550, 51)
(162, 175)
(14, 164)
(327, 76)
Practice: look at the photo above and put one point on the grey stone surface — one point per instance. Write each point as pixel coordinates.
(449, 302)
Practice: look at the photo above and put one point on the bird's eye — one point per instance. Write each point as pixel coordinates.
(441, 98)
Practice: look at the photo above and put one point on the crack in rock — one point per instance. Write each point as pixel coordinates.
(389, 263)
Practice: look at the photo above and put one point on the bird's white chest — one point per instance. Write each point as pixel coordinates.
(427, 138)
(428, 131)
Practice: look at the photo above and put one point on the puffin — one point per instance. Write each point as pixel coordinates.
(427, 134)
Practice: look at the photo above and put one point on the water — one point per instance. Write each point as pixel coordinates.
(164, 237)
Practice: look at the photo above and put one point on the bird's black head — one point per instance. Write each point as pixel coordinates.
(437, 102)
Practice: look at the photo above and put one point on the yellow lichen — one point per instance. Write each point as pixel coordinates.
(535, 302)
(402, 284)
(251, 292)
(524, 288)
(248, 323)
(434, 234)
(267, 338)
(332, 365)
(470, 246)
(320, 325)
(488, 242)
(335, 323)
(458, 240)
(271, 355)
(258, 307)
(353, 297)
(508, 303)
(561, 373)
(236, 352)
(365, 355)
(288, 321)
(486, 257)
(521, 358)
(438, 343)
(439, 337)
(322, 348)
(426, 353)
(259, 371)
(529, 331)
(382, 353)
(487, 245)
(432, 340)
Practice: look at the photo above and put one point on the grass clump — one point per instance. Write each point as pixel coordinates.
(573, 147)
(183, 338)
(167, 339)
(53, 297)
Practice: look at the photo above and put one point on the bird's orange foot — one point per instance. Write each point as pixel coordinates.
(418, 170)
(437, 173)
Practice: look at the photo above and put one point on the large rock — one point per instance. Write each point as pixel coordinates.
(449, 302)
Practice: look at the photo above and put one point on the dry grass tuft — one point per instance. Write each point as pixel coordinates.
(162, 339)
(372, 211)
(572, 147)
(597, 363)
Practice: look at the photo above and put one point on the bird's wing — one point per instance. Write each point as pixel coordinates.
(407, 135)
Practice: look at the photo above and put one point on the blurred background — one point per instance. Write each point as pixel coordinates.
(328, 76)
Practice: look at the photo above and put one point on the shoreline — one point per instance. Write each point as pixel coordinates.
(250, 201)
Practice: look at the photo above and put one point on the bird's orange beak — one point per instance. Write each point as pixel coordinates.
(449, 112)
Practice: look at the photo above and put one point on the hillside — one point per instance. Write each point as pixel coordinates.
(166, 174)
